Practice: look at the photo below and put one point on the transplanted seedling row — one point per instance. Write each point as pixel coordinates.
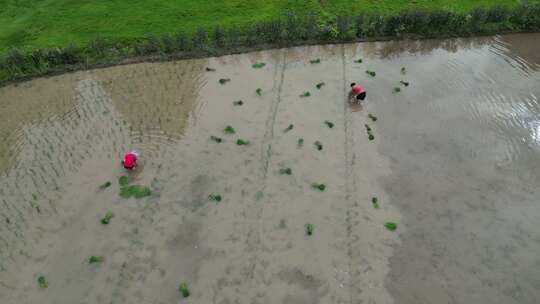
(285, 171)
(224, 80)
(136, 191)
(320, 187)
(370, 134)
(391, 226)
(229, 130)
(290, 127)
(215, 197)
(258, 65)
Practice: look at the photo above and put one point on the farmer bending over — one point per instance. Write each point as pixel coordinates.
(358, 92)
(130, 160)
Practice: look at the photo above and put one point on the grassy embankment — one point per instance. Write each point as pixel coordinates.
(107, 32)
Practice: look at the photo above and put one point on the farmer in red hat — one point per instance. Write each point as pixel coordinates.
(130, 160)
(358, 91)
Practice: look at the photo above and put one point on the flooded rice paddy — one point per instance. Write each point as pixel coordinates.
(283, 209)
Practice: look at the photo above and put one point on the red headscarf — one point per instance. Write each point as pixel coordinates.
(130, 160)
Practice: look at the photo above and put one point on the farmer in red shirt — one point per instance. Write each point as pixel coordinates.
(358, 91)
(130, 160)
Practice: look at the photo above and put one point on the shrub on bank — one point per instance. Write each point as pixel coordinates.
(286, 31)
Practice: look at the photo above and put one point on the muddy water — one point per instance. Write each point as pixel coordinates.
(454, 163)
(463, 140)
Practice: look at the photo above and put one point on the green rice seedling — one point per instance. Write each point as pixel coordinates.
(258, 65)
(321, 187)
(318, 145)
(35, 206)
(309, 229)
(358, 60)
(95, 259)
(375, 202)
(210, 69)
(105, 185)
(229, 130)
(405, 83)
(390, 226)
(372, 117)
(216, 139)
(368, 128)
(258, 91)
(371, 136)
(107, 218)
(403, 70)
(329, 124)
(396, 90)
(305, 94)
(135, 191)
(42, 282)
(184, 290)
(285, 171)
(123, 180)
(215, 197)
(290, 127)
(224, 80)
(371, 73)
(242, 142)
(314, 61)
(300, 142)
(238, 103)
(320, 85)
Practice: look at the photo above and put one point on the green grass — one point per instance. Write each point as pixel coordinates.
(52, 23)
(258, 65)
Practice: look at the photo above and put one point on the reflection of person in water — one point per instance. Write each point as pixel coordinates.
(358, 92)
(130, 160)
